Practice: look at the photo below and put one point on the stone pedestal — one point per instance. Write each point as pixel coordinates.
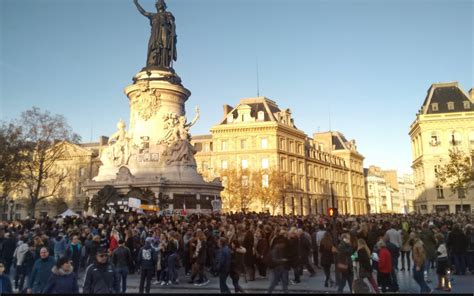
(155, 153)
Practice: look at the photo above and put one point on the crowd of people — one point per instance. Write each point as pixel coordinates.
(365, 253)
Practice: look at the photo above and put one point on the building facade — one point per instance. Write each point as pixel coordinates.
(257, 134)
(444, 122)
(79, 163)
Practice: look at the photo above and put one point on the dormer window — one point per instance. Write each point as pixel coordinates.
(467, 105)
(230, 118)
(450, 105)
(434, 107)
(260, 116)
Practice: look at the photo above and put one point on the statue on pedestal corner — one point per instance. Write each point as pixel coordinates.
(118, 152)
(162, 43)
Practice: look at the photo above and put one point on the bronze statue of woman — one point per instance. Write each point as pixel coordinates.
(162, 44)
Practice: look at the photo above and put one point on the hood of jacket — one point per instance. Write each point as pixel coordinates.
(61, 272)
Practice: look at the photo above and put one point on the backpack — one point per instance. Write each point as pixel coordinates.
(146, 254)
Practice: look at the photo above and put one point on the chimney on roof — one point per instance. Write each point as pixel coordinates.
(471, 94)
(227, 109)
(103, 140)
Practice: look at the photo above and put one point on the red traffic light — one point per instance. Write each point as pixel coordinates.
(332, 212)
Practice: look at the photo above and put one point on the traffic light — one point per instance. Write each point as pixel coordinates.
(332, 212)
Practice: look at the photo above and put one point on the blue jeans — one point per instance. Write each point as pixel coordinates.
(172, 272)
(280, 273)
(460, 263)
(419, 278)
(122, 273)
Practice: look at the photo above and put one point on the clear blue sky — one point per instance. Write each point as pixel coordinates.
(369, 62)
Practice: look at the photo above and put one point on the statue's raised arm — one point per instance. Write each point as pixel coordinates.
(195, 119)
(141, 10)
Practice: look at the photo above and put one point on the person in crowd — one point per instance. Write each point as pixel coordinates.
(27, 266)
(344, 262)
(407, 242)
(394, 254)
(19, 256)
(122, 260)
(279, 262)
(7, 251)
(442, 264)
(5, 283)
(59, 246)
(199, 259)
(74, 253)
(62, 280)
(249, 257)
(304, 251)
(470, 248)
(419, 264)
(327, 249)
(293, 256)
(237, 264)
(100, 276)
(91, 249)
(39, 244)
(429, 243)
(146, 261)
(458, 244)
(261, 251)
(114, 239)
(173, 259)
(365, 267)
(42, 270)
(224, 263)
(385, 266)
(186, 254)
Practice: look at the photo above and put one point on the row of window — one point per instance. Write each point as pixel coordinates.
(244, 144)
(455, 138)
(265, 164)
(435, 106)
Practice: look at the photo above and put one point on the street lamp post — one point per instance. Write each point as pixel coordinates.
(12, 204)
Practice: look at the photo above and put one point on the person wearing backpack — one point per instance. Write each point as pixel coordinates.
(73, 252)
(146, 260)
(344, 262)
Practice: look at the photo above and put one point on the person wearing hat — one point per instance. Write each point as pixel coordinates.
(101, 277)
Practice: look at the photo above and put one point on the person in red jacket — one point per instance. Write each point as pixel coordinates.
(384, 266)
(114, 239)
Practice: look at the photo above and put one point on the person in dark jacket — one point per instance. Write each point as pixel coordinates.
(394, 253)
(101, 277)
(457, 244)
(344, 262)
(122, 260)
(27, 265)
(198, 257)
(91, 249)
(146, 261)
(249, 257)
(279, 262)
(261, 252)
(293, 256)
(365, 267)
(236, 264)
(63, 279)
(224, 262)
(8, 249)
(304, 248)
(73, 252)
(326, 248)
(41, 272)
(5, 283)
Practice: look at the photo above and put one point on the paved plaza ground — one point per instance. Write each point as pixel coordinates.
(461, 284)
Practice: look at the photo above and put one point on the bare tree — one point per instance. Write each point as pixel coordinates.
(458, 173)
(46, 133)
(12, 160)
(237, 189)
(269, 187)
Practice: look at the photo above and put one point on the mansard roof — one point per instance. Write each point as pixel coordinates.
(444, 93)
(253, 106)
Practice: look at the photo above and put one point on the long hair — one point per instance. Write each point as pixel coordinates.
(326, 241)
(361, 244)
